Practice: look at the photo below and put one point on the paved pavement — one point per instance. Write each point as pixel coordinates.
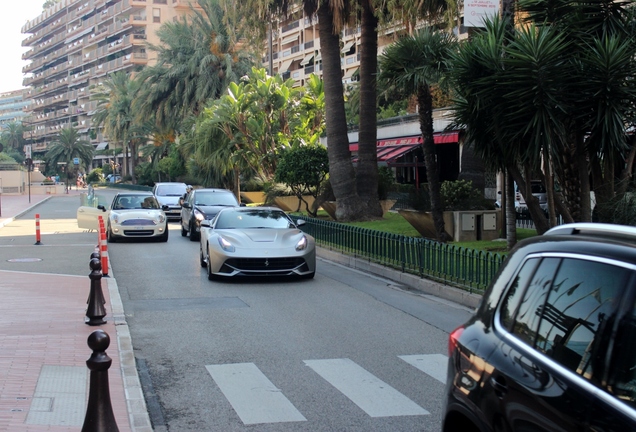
(44, 380)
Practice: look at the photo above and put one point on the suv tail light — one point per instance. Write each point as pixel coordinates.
(453, 338)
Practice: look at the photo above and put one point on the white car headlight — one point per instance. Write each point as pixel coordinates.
(115, 217)
(161, 218)
(302, 244)
(226, 245)
(198, 215)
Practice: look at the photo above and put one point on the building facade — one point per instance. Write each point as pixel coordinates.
(296, 47)
(13, 107)
(77, 44)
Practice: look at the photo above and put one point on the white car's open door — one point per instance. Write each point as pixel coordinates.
(87, 217)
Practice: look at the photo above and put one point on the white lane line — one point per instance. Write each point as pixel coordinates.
(372, 395)
(434, 365)
(254, 398)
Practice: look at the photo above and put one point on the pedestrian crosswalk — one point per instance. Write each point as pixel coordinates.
(257, 400)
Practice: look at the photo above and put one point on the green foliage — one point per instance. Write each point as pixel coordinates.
(303, 169)
(386, 182)
(621, 210)
(6, 159)
(259, 117)
(461, 195)
(95, 176)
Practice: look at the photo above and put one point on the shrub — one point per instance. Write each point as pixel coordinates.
(95, 176)
(461, 195)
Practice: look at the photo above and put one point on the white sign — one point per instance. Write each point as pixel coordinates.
(27, 151)
(476, 11)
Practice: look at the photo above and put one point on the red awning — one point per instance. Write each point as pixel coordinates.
(439, 137)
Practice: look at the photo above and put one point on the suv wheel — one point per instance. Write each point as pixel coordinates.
(194, 235)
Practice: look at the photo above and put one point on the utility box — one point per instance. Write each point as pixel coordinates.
(476, 225)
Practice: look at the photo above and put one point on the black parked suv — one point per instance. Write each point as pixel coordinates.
(552, 346)
(200, 204)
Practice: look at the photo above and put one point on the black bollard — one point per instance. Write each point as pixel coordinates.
(99, 413)
(95, 312)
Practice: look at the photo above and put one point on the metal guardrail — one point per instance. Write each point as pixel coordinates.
(465, 268)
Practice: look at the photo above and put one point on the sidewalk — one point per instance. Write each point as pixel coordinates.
(44, 380)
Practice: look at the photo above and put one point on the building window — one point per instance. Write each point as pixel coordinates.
(156, 14)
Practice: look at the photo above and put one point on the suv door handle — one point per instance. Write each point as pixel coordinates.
(499, 385)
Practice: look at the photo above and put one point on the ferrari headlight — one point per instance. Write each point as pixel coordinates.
(198, 215)
(302, 244)
(226, 245)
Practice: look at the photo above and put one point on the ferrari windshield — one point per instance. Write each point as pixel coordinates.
(257, 218)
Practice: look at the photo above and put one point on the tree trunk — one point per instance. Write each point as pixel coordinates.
(584, 179)
(536, 213)
(430, 161)
(511, 214)
(367, 171)
(349, 206)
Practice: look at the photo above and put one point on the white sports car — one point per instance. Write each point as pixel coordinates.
(130, 215)
(256, 241)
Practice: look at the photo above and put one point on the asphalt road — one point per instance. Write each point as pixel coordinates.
(345, 351)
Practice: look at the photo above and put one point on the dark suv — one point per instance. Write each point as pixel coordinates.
(200, 204)
(552, 346)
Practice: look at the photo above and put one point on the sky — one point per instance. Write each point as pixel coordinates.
(12, 18)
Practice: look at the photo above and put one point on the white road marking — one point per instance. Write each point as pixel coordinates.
(372, 395)
(254, 398)
(434, 365)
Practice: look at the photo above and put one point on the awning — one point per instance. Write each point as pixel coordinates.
(101, 146)
(318, 57)
(439, 137)
(348, 46)
(307, 60)
(289, 39)
(348, 74)
(284, 67)
(387, 155)
(78, 35)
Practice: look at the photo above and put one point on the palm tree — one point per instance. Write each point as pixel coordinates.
(554, 102)
(414, 63)
(13, 135)
(66, 148)
(197, 58)
(367, 176)
(115, 113)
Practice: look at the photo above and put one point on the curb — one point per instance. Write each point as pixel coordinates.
(425, 286)
(11, 219)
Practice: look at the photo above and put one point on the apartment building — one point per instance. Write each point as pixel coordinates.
(296, 47)
(78, 43)
(12, 107)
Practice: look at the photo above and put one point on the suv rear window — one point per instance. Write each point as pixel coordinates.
(566, 304)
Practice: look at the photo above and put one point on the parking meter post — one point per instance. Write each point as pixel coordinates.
(95, 311)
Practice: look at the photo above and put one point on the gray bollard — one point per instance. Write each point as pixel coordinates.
(99, 413)
(95, 312)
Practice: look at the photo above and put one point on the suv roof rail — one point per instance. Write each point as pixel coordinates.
(594, 228)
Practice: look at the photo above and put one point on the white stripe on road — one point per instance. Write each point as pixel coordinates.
(434, 365)
(371, 394)
(254, 398)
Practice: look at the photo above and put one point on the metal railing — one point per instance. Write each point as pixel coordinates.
(465, 268)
